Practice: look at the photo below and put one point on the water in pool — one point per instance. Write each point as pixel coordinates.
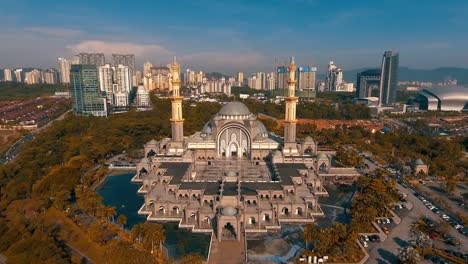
(118, 191)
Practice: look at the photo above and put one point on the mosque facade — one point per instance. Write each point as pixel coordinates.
(234, 176)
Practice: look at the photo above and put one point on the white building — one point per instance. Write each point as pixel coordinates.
(334, 77)
(345, 87)
(33, 77)
(121, 99)
(142, 98)
(19, 75)
(64, 68)
(240, 78)
(115, 80)
(7, 75)
(216, 86)
(50, 76)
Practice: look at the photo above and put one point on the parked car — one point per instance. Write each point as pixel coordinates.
(386, 231)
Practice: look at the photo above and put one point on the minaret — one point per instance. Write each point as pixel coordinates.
(290, 114)
(177, 122)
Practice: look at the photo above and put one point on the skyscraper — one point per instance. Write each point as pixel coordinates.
(240, 78)
(8, 75)
(283, 75)
(306, 78)
(19, 75)
(334, 77)
(367, 81)
(147, 68)
(96, 59)
(124, 59)
(389, 78)
(64, 68)
(33, 77)
(85, 92)
(113, 81)
(51, 76)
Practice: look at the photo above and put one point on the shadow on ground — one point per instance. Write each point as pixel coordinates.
(400, 242)
(387, 256)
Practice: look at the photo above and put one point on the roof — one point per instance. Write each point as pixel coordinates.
(419, 162)
(176, 170)
(229, 211)
(234, 108)
(450, 98)
(309, 139)
(322, 155)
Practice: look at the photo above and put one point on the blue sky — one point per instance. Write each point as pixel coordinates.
(237, 35)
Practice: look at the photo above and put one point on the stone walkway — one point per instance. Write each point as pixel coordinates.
(227, 252)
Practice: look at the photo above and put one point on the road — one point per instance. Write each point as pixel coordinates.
(13, 151)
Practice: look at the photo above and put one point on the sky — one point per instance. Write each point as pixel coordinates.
(237, 35)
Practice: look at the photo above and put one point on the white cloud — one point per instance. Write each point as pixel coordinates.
(109, 47)
(55, 32)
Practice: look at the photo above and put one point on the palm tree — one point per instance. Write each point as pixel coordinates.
(110, 212)
(122, 220)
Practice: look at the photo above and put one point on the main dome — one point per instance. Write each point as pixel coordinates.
(234, 109)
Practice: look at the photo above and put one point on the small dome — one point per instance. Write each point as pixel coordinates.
(152, 142)
(229, 211)
(322, 156)
(419, 162)
(308, 139)
(145, 160)
(207, 129)
(234, 109)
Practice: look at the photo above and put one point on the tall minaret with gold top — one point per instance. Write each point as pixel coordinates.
(177, 122)
(290, 114)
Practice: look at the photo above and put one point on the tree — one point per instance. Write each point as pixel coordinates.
(122, 220)
(409, 255)
(148, 235)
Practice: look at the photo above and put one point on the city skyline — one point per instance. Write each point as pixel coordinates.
(235, 36)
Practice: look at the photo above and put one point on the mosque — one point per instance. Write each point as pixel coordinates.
(234, 177)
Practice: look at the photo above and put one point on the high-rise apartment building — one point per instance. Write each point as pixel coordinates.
(142, 98)
(216, 86)
(270, 82)
(124, 59)
(334, 77)
(305, 76)
(147, 68)
(33, 77)
(240, 78)
(97, 59)
(51, 76)
(116, 83)
(7, 75)
(19, 75)
(84, 86)
(389, 78)
(64, 68)
(190, 78)
(137, 78)
(282, 73)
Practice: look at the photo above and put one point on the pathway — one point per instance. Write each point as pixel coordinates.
(227, 251)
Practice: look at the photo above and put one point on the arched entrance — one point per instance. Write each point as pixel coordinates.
(228, 232)
(233, 150)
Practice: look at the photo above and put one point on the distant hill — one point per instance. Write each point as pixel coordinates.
(407, 74)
